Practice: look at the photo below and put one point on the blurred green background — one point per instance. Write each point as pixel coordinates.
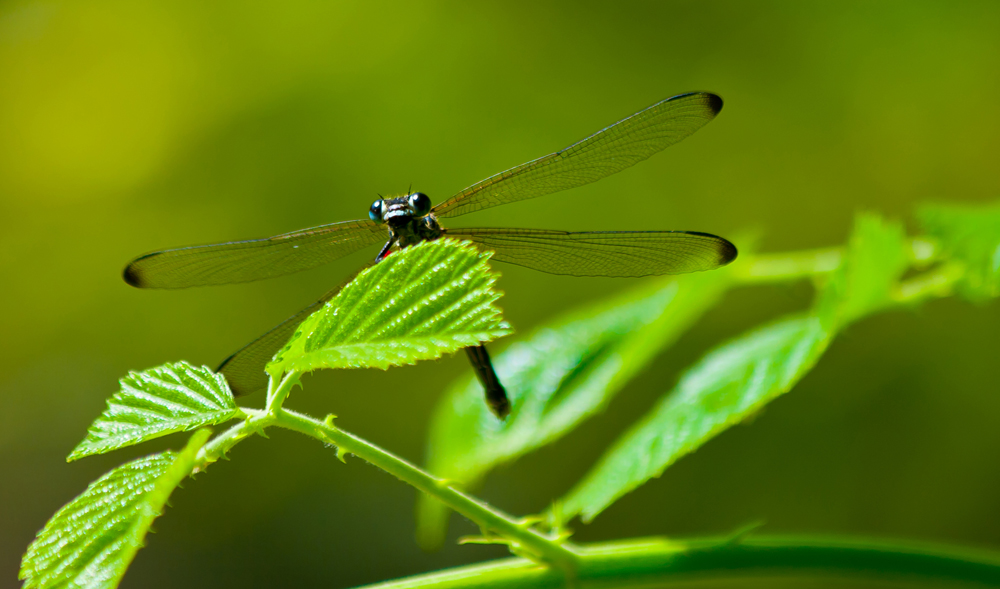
(127, 127)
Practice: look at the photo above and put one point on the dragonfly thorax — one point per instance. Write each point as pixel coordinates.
(408, 218)
(423, 229)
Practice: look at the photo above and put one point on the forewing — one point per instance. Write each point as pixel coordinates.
(604, 253)
(255, 259)
(606, 152)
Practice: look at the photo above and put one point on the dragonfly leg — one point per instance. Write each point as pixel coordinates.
(385, 250)
(496, 395)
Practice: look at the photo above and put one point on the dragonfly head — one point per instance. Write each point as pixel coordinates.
(400, 210)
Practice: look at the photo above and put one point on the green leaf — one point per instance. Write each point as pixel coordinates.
(156, 402)
(735, 380)
(421, 302)
(556, 379)
(90, 542)
(971, 235)
(876, 257)
(728, 385)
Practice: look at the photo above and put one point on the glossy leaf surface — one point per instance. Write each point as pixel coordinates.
(556, 379)
(729, 385)
(419, 303)
(156, 402)
(91, 541)
(735, 380)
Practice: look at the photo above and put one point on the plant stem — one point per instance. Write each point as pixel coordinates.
(765, 268)
(782, 267)
(276, 395)
(217, 448)
(521, 537)
(255, 421)
(936, 283)
(658, 562)
(661, 559)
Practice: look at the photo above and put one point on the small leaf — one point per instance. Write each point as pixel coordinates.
(90, 542)
(970, 234)
(734, 381)
(421, 302)
(557, 379)
(875, 259)
(156, 402)
(729, 385)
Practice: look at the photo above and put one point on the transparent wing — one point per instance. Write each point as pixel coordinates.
(606, 152)
(244, 370)
(254, 259)
(603, 253)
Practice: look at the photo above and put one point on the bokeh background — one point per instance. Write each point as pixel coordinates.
(127, 127)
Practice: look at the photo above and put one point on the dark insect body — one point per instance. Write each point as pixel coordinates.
(410, 219)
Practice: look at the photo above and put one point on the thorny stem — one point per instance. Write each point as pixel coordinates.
(936, 283)
(781, 267)
(764, 268)
(277, 391)
(523, 539)
(254, 422)
(786, 266)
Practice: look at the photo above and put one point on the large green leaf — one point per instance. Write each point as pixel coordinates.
(559, 377)
(724, 388)
(156, 402)
(91, 541)
(418, 304)
(970, 234)
(735, 380)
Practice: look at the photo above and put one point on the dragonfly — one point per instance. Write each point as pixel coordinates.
(401, 221)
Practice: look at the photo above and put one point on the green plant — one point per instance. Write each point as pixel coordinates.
(436, 298)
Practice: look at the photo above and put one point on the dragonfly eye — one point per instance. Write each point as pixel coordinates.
(420, 203)
(375, 213)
